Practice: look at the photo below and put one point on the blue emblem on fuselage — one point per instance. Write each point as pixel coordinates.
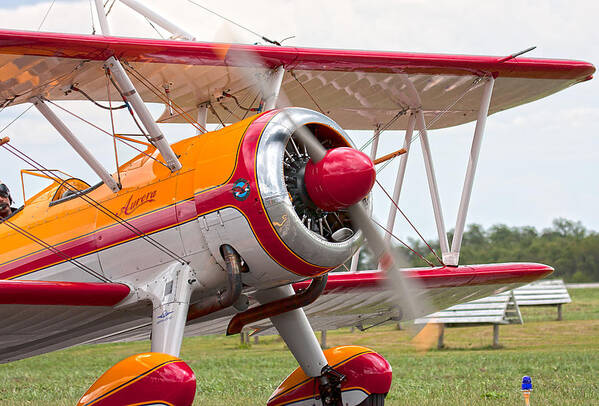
(241, 189)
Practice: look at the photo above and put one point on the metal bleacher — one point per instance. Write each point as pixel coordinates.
(494, 310)
(500, 309)
(544, 293)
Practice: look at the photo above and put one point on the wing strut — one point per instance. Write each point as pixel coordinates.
(401, 171)
(177, 31)
(102, 18)
(432, 183)
(76, 144)
(133, 97)
(481, 120)
(202, 118)
(450, 257)
(272, 88)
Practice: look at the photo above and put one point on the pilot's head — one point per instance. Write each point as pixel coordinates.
(5, 201)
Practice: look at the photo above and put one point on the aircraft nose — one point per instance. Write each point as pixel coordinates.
(342, 178)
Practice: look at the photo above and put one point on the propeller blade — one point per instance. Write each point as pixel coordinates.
(407, 294)
(314, 148)
(243, 57)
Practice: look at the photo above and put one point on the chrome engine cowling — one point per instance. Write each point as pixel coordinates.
(321, 238)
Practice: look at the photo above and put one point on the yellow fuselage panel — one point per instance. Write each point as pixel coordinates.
(208, 160)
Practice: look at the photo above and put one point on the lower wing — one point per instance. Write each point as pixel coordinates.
(43, 316)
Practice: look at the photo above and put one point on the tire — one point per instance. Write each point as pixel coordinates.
(376, 399)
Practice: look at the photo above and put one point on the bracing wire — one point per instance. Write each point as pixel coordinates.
(132, 228)
(16, 118)
(384, 127)
(294, 76)
(239, 105)
(403, 243)
(46, 15)
(409, 222)
(38, 240)
(108, 133)
(253, 101)
(154, 27)
(231, 113)
(109, 8)
(235, 23)
(5, 103)
(379, 170)
(228, 110)
(55, 250)
(213, 110)
(118, 89)
(151, 87)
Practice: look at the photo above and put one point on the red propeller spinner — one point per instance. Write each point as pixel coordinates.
(343, 177)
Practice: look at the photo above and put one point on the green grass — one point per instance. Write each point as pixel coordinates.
(562, 358)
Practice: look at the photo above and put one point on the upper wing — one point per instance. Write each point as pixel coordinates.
(357, 89)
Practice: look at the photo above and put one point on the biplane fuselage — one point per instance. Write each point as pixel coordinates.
(214, 199)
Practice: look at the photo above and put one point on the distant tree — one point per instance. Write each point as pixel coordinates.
(566, 228)
(567, 246)
(475, 235)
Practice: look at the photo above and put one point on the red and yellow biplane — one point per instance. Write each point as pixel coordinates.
(238, 228)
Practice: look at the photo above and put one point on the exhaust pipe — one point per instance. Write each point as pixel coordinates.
(277, 307)
(229, 296)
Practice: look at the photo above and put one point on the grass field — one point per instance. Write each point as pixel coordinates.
(561, 357)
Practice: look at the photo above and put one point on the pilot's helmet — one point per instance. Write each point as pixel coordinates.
(5, 192)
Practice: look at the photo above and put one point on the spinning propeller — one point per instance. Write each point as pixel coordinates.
(341, 178)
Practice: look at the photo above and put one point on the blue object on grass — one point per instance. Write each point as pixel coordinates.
(526, 383)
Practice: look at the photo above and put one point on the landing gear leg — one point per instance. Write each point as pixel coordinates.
(170, 294)
(158, 377)
(297, 333)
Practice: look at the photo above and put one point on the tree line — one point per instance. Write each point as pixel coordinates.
(567, 246)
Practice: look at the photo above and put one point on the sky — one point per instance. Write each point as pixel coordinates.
(538, 161)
